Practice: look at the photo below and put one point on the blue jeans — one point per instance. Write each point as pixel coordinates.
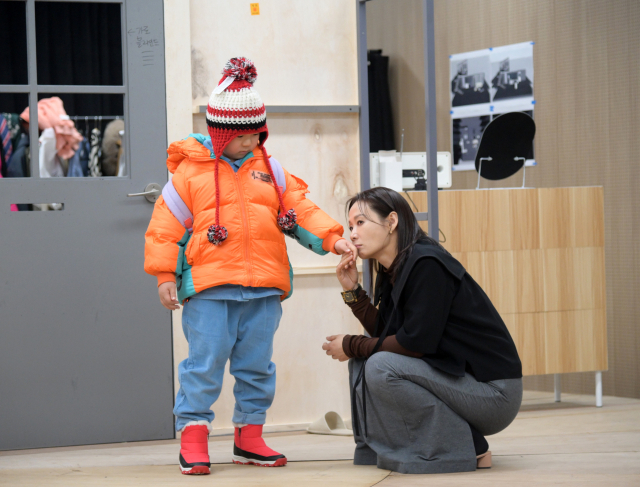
(221, 330)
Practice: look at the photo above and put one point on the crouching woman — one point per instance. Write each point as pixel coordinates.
(440, 371)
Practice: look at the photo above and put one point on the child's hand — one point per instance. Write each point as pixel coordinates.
(334, 348)
(168, 295)
(343, 246)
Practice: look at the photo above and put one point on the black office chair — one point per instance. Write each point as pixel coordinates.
(505, 145)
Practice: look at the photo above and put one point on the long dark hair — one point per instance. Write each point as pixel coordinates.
(383, 201)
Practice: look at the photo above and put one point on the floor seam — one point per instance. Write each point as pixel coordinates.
(382, 479)
(563, 453)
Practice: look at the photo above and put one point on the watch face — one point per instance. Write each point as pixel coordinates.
(351, 296)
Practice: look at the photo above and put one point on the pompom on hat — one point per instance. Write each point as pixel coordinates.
(235, 108)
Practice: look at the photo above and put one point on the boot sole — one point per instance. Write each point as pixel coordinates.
(197, 470)
(238, 460)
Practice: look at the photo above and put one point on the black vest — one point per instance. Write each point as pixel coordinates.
(474, 340)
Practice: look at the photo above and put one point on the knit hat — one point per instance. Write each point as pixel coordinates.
(235, 108)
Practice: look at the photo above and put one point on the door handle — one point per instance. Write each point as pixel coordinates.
(151, 192)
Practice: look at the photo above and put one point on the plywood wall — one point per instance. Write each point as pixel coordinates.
(539, 256)
(305, 53)
(587, 87)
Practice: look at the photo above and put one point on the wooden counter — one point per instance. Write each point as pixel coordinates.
(539, 256)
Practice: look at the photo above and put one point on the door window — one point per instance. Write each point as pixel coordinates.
(77, 81)
(78, 43)
(13, 41)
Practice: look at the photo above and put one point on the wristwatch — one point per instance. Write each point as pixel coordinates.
(351, 297)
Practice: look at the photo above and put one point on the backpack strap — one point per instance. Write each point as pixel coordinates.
(278, 172)
(177, 206)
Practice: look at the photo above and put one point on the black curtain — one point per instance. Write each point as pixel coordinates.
(76, 44)
(13, 43)
(380, 116)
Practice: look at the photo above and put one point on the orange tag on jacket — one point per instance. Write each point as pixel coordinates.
(255, 8)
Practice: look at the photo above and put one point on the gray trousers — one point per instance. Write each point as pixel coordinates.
(418, 417)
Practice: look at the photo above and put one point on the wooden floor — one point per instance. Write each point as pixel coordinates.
(568, 443)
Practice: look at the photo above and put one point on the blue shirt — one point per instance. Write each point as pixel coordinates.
(235, 292)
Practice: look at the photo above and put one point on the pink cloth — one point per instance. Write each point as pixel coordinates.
(51, 114)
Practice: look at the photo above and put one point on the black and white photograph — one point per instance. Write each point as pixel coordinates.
(467, 133)
(508, 70)
(512, 71)
(469, 80)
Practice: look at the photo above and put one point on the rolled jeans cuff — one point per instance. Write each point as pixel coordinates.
(244, 418)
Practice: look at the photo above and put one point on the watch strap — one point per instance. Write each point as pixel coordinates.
(351, 296)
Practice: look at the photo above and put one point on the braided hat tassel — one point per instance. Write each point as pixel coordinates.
(216, 233)
(286, 219)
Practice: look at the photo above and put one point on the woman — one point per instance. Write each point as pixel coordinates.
(441, 371)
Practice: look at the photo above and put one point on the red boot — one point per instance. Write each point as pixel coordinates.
(250, 449)
(194, 450)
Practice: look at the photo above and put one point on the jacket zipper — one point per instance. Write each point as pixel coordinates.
(245, 226)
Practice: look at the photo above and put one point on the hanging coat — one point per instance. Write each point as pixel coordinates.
(19, 164)
(95, 169)
(50, 165)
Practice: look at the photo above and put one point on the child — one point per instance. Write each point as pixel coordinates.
(232, 270)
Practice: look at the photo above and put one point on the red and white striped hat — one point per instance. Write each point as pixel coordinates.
(235, 108)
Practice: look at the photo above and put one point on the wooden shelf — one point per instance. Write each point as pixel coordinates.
(539, 256)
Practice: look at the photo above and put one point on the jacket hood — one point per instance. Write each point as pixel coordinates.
(192, 148)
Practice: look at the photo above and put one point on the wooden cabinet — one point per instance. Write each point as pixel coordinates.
(539, 256)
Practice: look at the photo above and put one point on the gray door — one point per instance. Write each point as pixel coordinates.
(85, 346)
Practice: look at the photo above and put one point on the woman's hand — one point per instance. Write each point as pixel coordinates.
(347, 272)
(334, 348)
(167, 293)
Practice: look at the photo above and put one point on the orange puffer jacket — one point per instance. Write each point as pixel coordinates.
(254, 254)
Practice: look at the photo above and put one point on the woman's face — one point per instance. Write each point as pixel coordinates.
(370, 235)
